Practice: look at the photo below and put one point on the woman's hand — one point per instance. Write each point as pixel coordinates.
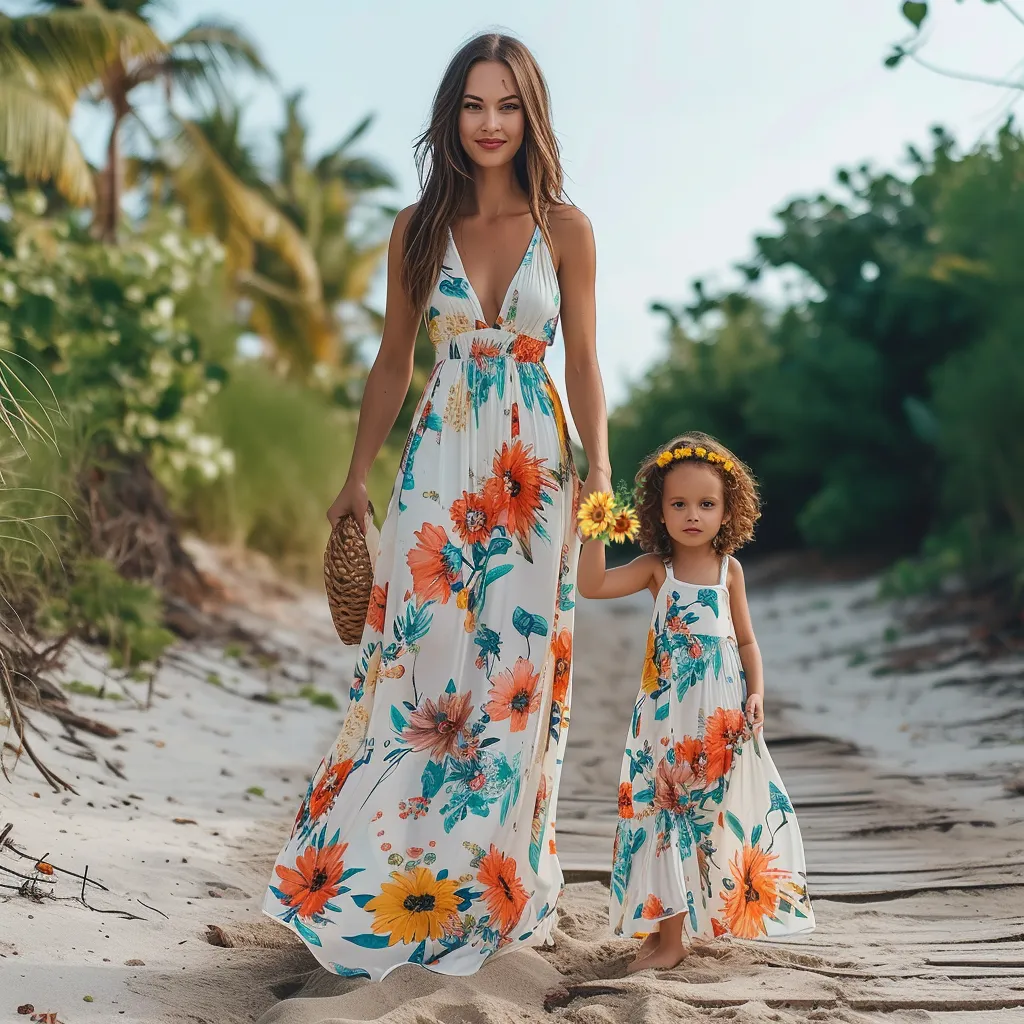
(597, 480)
(352, 500)
(755, 710)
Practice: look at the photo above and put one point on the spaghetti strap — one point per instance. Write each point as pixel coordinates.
(725, 571)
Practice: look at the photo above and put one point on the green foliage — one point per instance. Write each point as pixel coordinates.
(319, 698)
(291, 447)
(883, 406)
(103, 607)
(97, 331)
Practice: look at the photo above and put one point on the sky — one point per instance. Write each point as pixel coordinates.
(683, 124)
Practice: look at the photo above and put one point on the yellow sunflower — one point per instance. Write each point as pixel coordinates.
(625, 526)
(596, 514)
(415, 906)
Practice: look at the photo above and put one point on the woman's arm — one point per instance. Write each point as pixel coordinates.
(750, 653)
(386, 385)
(593, 580)
(577, 267)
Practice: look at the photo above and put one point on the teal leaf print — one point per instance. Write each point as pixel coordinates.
(734, 823)
(349, 972)
(499, 546)
(307, 933)
(780, 801)
(450, 688)
(645, 796)
(277, 892)
(728, 883)
(661, 713)
(506, 803)
(454, 288)
(368, 941)
(432, 779)
(785, 906)
(361, 900)
(496, 573)
(398, 722)
(350, 872)
(417, 956)
(708, 597)
(527, 624)
(755, 835)
(442, 874)
(565, 601)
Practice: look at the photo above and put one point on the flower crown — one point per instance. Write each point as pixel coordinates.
(670, 455)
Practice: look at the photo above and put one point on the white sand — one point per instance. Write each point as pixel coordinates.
(914, 847)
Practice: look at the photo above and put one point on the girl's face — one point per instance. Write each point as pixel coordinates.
(692, 504)
(491, 122)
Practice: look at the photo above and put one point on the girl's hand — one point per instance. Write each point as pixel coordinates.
(755, 710)
(353, 500)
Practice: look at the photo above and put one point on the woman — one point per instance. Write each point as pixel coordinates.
(427, 832)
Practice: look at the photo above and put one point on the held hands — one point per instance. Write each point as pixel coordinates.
(754, 710)
(352, 499)
(597, 480)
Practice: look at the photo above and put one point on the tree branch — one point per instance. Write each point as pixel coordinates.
(965, 76)
(1015, 14)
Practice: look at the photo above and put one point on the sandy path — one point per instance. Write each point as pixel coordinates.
(914, 848)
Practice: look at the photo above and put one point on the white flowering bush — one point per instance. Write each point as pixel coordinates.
(102, 326)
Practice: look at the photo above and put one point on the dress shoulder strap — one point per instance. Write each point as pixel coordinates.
(725, 571)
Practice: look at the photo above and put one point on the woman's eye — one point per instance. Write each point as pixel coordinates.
(511, 107)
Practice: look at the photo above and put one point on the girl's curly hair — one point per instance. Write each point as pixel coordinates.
(742, 504)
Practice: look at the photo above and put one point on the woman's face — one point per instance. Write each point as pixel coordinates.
(491, 121)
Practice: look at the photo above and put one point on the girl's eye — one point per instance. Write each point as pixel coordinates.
(708, 504)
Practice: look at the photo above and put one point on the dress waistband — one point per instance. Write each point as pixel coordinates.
(483, 345)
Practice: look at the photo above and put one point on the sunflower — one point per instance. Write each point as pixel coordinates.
(722, 734)
(596, 514)
(438, 727)
(625, 525)
(650, 680)
(378, 604)
(514, 695)
(516, 488)
(328, 788)
(435, 563)
(755, 895)
(625, 800)
(561, 651)
(472, 517)
(415, 906)
(315, 878)
(505, 895)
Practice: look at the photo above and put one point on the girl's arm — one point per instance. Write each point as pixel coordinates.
(593, 580)
(750, 653)
(386, 385)
(577, 267)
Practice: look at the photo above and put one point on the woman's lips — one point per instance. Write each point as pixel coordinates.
(490, 143)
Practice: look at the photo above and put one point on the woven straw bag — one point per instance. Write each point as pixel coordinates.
(348, 574)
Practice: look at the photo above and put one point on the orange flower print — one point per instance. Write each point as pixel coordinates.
(650, 680)
(718, 928)
(471, 515)
(328, 788)
(515, 420)
(528, 350)
(515, 488)
(653, 908)
(378, 604)
(484, 350)
(315, 878)
(561, 649)
(723, 731)
(691, 752)
(694, 649)
(435, 563)
(514, 695)
(438, 727)
(539, 810)
(671, 786)
(625, 800)
(505, 895)
(756, 892)
(675, 624)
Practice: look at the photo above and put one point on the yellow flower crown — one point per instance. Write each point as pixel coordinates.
(671, 455)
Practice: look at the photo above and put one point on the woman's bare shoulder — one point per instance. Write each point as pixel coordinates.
(571, 232)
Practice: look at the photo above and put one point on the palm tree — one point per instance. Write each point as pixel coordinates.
(46, 61)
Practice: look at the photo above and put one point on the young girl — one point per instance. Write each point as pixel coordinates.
(707, 842)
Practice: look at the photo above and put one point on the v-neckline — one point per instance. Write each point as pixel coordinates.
(508, 291)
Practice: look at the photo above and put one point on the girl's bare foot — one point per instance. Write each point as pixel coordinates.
(665, 957)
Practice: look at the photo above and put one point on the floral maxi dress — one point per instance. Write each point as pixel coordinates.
(705, 828)
(426, 835)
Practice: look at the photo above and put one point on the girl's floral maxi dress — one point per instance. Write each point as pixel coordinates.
(427, 833)
(705, 828)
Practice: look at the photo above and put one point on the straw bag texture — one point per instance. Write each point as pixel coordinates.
(348, 574)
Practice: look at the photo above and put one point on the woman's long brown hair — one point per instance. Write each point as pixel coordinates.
(446, 171)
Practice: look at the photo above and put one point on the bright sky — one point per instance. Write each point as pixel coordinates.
(683, 124)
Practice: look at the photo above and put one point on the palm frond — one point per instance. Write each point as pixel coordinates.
(36, 141)
(64, 51)
(222, 43)
(238, 214)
